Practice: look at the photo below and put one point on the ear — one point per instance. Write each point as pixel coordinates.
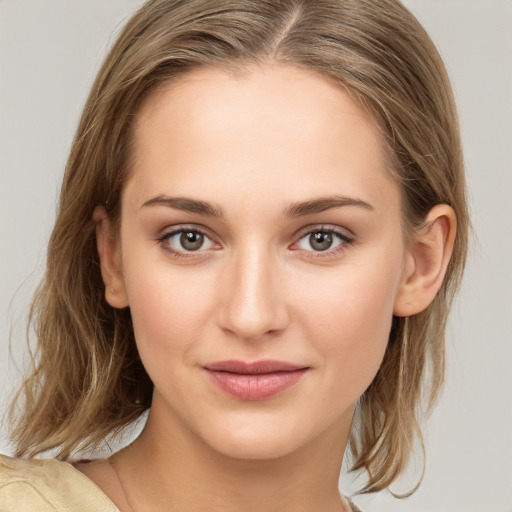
(109, 254)
(427, 259)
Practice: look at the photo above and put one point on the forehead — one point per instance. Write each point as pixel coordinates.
(275, 124)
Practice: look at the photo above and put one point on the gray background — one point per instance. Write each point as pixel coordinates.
(49, 52)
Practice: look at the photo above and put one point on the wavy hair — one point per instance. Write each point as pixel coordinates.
(88, 382)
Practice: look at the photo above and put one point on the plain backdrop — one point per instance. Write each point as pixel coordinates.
(49, 52)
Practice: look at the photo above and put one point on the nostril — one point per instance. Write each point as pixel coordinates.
(250, 303)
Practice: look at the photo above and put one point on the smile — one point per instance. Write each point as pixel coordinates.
(254, 381)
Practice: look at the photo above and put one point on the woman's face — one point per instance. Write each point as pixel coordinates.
(259, 225)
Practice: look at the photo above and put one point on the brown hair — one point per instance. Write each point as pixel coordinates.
(88, 381)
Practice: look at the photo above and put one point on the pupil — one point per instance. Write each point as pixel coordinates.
(191, 240)
(320, 241)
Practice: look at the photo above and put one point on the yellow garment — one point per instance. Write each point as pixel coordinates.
(48, 485)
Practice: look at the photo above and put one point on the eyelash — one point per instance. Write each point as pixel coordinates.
(343, 238)
(164, 239)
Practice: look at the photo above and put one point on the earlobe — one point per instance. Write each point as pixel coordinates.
(427, 259)
(108, 252)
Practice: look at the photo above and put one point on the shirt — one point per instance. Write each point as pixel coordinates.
(50, 485)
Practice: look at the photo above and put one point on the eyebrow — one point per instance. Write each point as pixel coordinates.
(322, 204)
(299, 209)
(186, 204)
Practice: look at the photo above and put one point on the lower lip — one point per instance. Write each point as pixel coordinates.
(255, 386)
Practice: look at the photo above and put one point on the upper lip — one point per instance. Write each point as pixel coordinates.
(252, 368)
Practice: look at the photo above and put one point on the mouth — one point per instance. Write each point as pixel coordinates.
(258, 380)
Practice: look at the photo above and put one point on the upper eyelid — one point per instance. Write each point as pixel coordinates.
(343, 238)
(344, 233)
(165, 238)
(167, 232)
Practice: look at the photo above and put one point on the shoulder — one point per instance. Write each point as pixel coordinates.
(48, 485)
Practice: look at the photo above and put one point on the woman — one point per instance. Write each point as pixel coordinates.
(261, 228)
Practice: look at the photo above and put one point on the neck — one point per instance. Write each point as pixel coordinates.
(172, 469)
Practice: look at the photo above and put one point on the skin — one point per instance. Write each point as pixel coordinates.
(254, 146)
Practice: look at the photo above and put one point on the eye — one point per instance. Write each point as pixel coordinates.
(187, 240)
(322, 240)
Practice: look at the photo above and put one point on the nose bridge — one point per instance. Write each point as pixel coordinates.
(253, 304)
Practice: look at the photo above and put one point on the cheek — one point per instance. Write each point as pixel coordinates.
(349, 319)
(168, 320)
(169, 306)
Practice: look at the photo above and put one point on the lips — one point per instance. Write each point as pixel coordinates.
(258, 380)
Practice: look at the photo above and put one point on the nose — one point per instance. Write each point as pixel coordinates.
(252, 303)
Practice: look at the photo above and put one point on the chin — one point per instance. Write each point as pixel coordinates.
(259, 438)
(254, 447)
